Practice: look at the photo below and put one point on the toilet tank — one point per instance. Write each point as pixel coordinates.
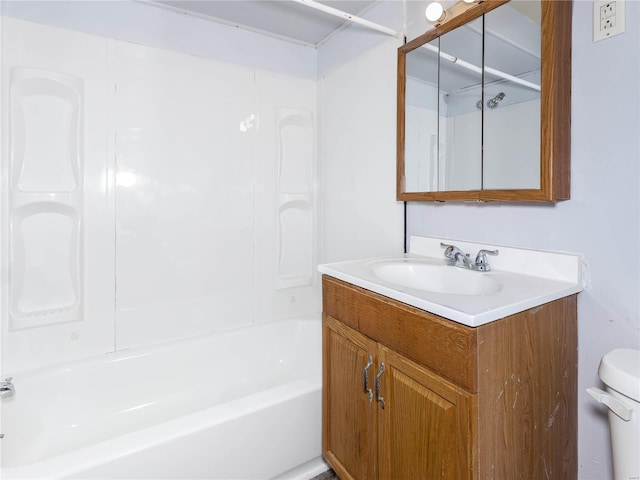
(620, 372)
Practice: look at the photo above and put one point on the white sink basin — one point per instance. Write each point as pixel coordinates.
(436, 278)
(519, 279)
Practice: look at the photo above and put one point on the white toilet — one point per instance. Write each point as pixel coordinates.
(620, 372)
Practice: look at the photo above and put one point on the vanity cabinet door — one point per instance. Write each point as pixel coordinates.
(349, 412)
(424, 429)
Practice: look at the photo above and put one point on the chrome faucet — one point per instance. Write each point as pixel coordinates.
(482, 264)
(457, 258)
(7, 389)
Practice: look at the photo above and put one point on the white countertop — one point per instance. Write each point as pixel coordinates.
(527, 278)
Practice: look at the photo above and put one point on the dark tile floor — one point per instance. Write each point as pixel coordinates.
(328, 475)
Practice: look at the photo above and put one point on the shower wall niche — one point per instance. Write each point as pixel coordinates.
(147, 195)
(295, 198)
(45, 204)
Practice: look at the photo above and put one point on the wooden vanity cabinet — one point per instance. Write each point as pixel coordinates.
(349, 415)
(492, 402)
(422, 431)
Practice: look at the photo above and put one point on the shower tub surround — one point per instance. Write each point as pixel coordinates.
(235, 405)
(151, 197)
(183, 184)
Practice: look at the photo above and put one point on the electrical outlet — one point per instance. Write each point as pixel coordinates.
(608, 19)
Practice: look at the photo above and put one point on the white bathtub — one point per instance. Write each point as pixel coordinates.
(242, 404)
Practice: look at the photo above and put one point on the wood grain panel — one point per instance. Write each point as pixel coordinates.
(349, 438)
(421, 435)
(556, 94)
(445, 347)
(527, 418)
(338, 301)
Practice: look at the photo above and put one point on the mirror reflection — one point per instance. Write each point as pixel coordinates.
(421, 119)
(460, 120)
(472, 105)
(511, 127)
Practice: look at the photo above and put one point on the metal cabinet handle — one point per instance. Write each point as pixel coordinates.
(365, 381)
(378, 397)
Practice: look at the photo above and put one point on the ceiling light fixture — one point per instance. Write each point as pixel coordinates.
(435, 12)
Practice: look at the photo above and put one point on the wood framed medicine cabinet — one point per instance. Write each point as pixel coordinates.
(426, 168)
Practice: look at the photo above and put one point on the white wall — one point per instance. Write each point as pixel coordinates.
(357, 109)
(601, 220)
(190, 204)
(35, 320)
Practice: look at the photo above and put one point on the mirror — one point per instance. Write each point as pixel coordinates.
(484, 105)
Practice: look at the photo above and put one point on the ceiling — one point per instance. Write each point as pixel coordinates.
(281, 18)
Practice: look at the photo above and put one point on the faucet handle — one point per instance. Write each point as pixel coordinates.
(450, 251)
(482, 263)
